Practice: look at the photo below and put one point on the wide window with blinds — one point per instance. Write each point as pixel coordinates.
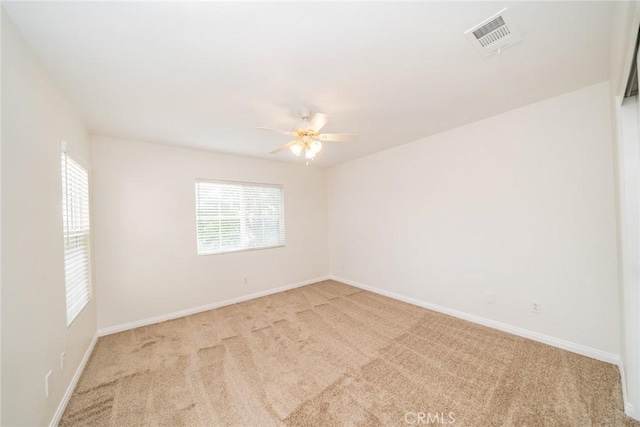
(76, 229)
(237, 216)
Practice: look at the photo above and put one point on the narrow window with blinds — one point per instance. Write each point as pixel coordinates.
(76, 231)
(236, 216)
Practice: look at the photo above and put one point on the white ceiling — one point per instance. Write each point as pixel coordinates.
(206, 75)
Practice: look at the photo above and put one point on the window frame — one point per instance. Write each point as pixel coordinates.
(66, 198)
(282, 230)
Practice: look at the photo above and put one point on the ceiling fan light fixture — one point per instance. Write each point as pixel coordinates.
(315, 147)
(309, 154)
(296, 149)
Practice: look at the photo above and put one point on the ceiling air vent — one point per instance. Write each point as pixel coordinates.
(493, 34)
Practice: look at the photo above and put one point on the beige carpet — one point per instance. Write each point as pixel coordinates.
(330, 354)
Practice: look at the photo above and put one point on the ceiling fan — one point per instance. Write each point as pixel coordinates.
(308, 137)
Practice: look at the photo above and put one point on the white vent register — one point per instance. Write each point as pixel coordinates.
(493, 34)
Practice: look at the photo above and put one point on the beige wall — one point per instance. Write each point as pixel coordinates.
(35, 117)
(145, 235)
(520, 204)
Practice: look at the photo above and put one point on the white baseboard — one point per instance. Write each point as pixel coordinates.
(515, 330)
(72, 385)
(176, 314)
(628, 407)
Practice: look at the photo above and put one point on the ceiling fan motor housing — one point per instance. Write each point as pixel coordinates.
(302, 128)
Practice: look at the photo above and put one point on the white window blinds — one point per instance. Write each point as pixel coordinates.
(75, 215)
(235, 216)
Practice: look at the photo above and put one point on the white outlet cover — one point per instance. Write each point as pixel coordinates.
(536, 307)
(63, 359)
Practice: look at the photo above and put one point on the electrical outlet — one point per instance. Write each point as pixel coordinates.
(245, 279)
(536, 307)
(490, 297)
(47, 383)
(63, 360)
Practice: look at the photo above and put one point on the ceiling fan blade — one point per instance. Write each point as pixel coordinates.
(338, 137)
(277, 130)
(318, 121)
(283, 147)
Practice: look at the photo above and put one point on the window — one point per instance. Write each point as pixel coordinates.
(75, 217)
(235, 216)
